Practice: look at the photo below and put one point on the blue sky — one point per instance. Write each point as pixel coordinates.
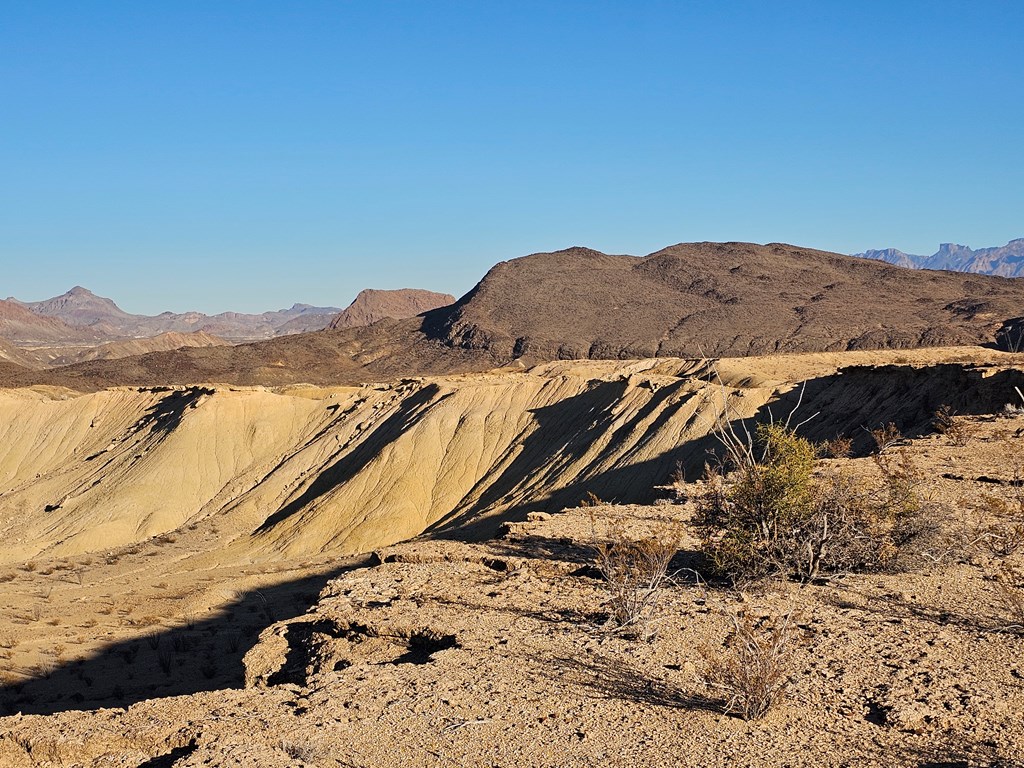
(247, 155)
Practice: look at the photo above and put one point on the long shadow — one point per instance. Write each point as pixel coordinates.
(859, 398)
(617, 678)
(200, 655)
(578, 553)
(889, 606)
(167, 414)
(412, 409)
(573, 425)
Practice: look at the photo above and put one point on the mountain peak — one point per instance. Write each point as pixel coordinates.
(1005, 261)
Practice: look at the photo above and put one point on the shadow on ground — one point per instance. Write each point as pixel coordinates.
(199, 655)
(617, 678)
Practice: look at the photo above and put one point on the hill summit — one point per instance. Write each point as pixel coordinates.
(688, 300)
(372, 305)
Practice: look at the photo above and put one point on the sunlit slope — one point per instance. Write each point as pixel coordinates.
(110, 468)
(346, 470)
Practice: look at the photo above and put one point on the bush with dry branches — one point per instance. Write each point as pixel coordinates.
(751, 673)
(1010, 594)
(957, 430)
(635, 573)
(886, 436)
(999, 523)
(765, 509)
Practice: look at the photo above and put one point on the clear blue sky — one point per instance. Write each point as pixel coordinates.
(245, 155)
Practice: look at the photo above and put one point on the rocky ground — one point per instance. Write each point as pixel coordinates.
(498, 653)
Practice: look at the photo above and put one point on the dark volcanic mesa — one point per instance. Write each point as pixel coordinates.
(721, 299)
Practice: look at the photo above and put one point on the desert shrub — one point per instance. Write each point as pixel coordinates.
(995, 522)
(769, 513)
(1010, 594)
(957, 430)
(747, 516)
(839, 447)
(886, 436)
(999, 524)
(677, 486)
(752, 671)
(635, 573)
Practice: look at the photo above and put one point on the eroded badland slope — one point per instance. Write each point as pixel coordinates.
(165, 548)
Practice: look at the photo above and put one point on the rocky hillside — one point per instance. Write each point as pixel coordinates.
(719, 299)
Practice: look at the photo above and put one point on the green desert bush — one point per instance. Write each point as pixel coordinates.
(765, 511)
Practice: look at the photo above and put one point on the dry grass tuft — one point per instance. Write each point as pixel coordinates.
(752, 672)
(957, 430)
(999, 524)
(635, 574)
(1010, 594)
(839, 447)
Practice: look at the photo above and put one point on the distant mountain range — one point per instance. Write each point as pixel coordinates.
(687, 300)
(1005, 261)
(79, 326)
(83, 309)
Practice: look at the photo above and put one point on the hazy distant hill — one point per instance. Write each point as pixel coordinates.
(9, 353)
(1006, 260)
(129, 347)
(20, 325)
(82, 308)
(372, 305)
(719, 299)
